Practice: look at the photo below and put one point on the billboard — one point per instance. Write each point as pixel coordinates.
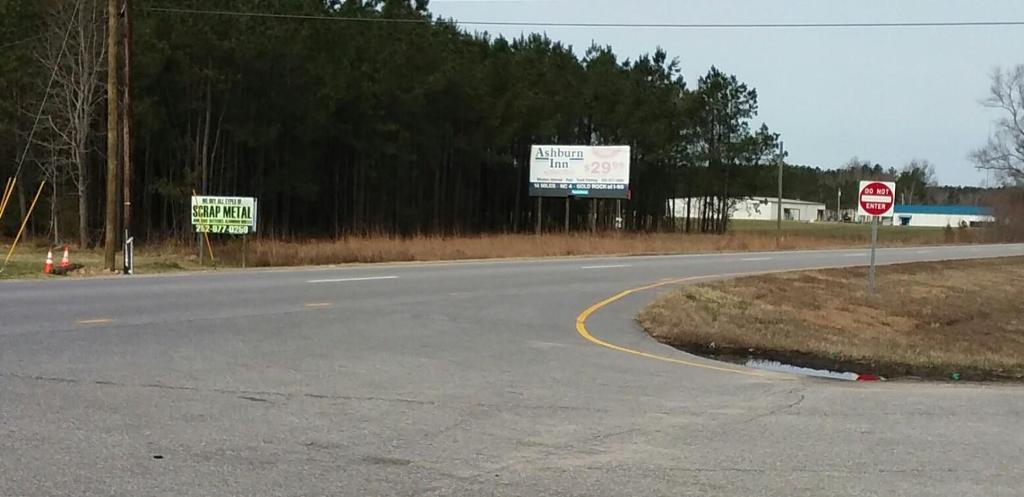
(228, 215)
(579, 171)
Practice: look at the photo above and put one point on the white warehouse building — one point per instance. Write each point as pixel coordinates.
(940, 216)
(753, 208)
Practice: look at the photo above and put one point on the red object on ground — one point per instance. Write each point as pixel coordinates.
(868, 377)
(48, 268)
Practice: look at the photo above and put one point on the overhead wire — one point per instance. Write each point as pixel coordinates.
(543, 24)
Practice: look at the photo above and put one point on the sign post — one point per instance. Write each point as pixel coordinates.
(874, 244)
(129, 253)
(540, 215)
(225, 215)
(567, 199)
(877, 200)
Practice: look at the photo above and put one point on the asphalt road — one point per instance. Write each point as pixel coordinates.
(456, 379)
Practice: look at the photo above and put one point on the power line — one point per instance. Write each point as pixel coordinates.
(786, 25)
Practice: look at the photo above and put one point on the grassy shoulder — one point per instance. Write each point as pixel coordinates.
(28, 261)
(745, 236)
(928, 320)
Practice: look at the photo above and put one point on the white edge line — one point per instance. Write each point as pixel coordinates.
(609, 266)
(347, 280)
(756, 259)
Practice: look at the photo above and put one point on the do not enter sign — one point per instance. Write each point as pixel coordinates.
(876, 198)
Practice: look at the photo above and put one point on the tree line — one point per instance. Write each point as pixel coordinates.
(345, 122)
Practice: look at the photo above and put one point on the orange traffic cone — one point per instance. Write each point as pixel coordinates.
(65, 262)
(49, 262)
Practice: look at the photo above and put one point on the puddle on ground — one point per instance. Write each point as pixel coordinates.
(786, 368)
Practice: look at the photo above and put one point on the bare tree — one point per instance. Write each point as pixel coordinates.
(913, 180)
(75, 95)
(1004, 152)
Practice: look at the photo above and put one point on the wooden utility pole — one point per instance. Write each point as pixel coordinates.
(113, 151)
(126, 142)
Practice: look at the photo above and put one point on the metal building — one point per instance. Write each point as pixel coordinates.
(753, 208)
(940, 216)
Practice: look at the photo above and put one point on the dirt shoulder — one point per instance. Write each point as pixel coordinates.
(929, 320)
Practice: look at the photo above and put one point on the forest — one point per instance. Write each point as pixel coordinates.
(362, 117)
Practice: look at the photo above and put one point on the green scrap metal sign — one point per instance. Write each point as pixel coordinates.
(228, 215)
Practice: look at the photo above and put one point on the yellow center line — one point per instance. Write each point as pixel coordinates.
(94, 321)
(318, 305)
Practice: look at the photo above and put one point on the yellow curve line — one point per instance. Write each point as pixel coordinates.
(581, 320)
(581, 328)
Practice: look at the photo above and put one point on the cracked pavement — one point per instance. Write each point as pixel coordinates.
(454, 379)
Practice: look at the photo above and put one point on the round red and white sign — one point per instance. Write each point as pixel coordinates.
(876, 198)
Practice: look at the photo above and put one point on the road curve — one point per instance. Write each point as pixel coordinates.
(456, 379)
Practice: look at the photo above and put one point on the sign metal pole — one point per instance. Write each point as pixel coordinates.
(874, 245)
(129, 254)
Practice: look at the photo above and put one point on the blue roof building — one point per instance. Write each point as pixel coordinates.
(940, 216)
(948, 210)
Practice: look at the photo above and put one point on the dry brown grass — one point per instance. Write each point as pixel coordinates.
(928, 319)
(433, 248)
(382, 249)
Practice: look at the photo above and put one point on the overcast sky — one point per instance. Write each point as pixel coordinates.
(887, 95)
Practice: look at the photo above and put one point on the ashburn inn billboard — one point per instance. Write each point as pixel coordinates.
(575, 171)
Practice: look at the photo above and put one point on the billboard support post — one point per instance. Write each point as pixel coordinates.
(209, 246)
(593, 215)
(540, 213)
(245, 250)
(567, 199)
